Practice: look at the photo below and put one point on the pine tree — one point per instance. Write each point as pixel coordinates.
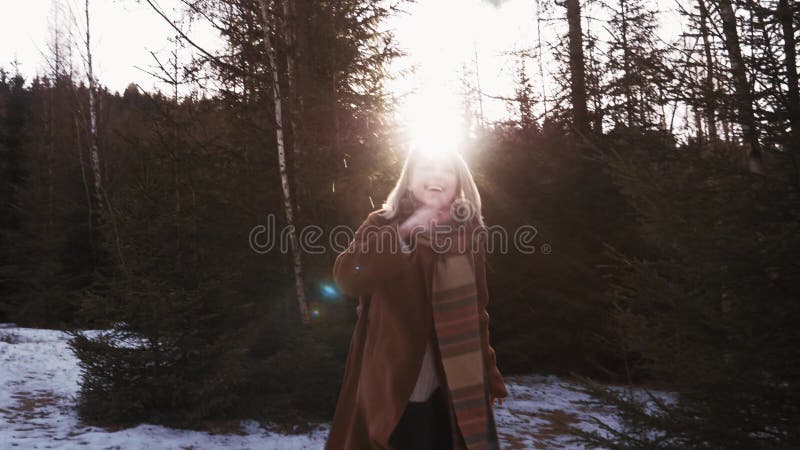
(577, 67)
(633, 59)
(706, 310)
(525, 98)
(14, 113)
(743, 92)
(769, 34)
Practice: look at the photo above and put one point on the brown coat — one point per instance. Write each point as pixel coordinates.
(395, 318)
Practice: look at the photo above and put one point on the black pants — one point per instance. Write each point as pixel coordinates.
(424, 425)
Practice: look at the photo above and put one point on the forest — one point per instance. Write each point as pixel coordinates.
(661, 174)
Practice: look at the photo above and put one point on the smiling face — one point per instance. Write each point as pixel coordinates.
(434, 181)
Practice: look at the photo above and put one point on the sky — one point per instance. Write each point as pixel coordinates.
(441, 37)
(124, 32)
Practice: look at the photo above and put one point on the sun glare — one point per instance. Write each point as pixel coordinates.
(435, 125)
(442, 54)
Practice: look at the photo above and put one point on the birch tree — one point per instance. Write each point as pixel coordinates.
(103, 204)
(287, 195)
(94, 153)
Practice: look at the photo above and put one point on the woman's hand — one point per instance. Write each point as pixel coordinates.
(360, 268)
(423, 219)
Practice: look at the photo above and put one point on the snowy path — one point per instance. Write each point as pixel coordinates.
(39, 383)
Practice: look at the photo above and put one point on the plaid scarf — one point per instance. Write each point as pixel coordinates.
(456, 321)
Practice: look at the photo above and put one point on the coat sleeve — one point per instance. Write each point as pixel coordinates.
(375, 254)
(497, 385)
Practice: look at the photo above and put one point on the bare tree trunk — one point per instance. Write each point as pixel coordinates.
(103, 204)
(287, 197)
(698, 124)
(49, 144)
(724, 112)
(596, 99)
(626, 64)
(709, 94)
(539, 49)
(48, 108)
(693, 103)
(744, 97)
(93, 150)
(785, 17)
(176, 160)
(333, 104)
(482, 118)
(292, 50)
(84, 178)
(726, 131)
(295, 100)
(576, 65)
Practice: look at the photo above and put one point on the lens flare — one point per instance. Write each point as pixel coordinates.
(328, 290)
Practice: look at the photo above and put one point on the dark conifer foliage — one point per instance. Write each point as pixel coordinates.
(707, 310)
(14, 112)
(635, 65)
(548, 307)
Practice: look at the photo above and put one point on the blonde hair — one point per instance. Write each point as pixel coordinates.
(468, 191)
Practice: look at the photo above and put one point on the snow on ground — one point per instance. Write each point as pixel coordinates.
(39, 383)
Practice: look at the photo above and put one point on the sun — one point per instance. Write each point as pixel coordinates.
(433, 122)
(437, 85)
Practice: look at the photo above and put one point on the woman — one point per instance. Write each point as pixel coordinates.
(420, 373)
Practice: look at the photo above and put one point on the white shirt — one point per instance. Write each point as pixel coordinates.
(428, 378)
